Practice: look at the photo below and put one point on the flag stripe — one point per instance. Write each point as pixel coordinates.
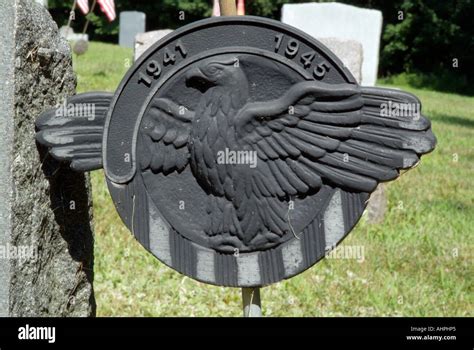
(108, 7)
(111, 8)
(240, 8)
(83, 6)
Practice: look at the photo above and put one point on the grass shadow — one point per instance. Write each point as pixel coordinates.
(451, 120)
(440, 81)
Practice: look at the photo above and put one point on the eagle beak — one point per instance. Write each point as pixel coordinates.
(197, 79)
(194, 74)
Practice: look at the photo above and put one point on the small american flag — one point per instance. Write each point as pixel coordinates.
(216, 10)
(108, 7)
(84, 6)
(240, 8)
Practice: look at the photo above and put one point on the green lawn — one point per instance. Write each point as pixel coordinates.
(418, 262)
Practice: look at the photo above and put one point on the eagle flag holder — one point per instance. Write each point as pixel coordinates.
(239, 150)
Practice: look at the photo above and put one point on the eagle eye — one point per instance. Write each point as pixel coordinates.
(213, 69)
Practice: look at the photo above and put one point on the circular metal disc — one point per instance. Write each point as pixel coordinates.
(173, 204)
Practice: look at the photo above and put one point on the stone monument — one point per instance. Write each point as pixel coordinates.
(46, 235)
(144, 40)
(131, 24)
(68, 33)
(335, 20)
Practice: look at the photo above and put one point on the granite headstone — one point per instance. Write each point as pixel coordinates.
(324, 20)
(131, 24)
(350, 53)
(144, 40)
(68, 33)
(46, 238)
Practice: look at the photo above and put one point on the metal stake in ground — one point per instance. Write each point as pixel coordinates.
(73, 8)
(81, 46)
(84, 30)
(250, 296)
(251, 302)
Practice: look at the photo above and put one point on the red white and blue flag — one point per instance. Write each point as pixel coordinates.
(216, 10)
(240, 8)
(108, 8)
(83, 6)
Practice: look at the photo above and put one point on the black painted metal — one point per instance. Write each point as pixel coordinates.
(74, 130)
(239, 150)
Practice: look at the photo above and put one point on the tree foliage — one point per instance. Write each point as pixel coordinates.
(427, 36)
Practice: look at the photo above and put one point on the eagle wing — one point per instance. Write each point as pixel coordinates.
(318, 133)
(163, 136)
(73, 131)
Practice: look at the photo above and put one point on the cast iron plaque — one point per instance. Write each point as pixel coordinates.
(238, 150)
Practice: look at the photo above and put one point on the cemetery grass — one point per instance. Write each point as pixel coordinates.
(418, 262)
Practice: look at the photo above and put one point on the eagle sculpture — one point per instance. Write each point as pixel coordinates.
(313, 134)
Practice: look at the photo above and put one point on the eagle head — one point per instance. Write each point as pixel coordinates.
(221, 71)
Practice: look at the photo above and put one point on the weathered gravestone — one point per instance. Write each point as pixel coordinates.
(239, 150)
(68, 33)
(329, 20)
(349, 51)
(143, 41)
(46, 238)
(377, 206)
(131, 24)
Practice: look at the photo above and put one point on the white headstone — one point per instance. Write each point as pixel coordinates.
(350, 52)
(131, 24)
(68, 33)
(43, 2)
(334, 20)
(144, 40)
